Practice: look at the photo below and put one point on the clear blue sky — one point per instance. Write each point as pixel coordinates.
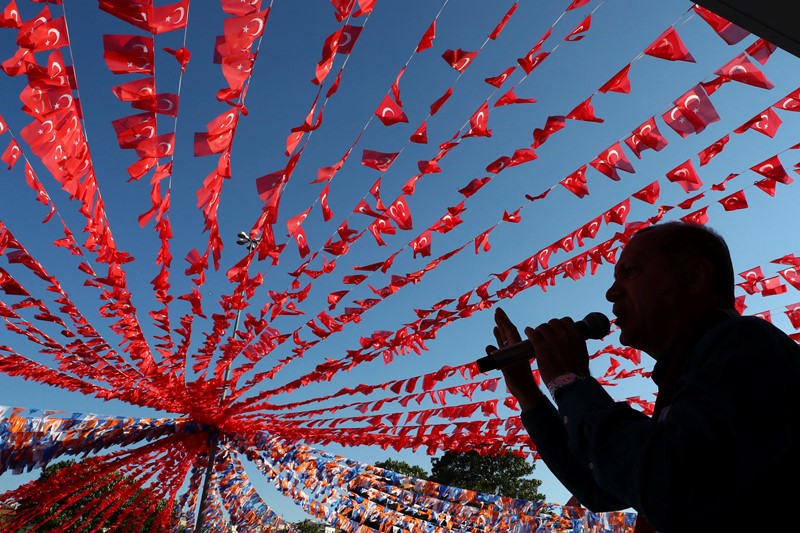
(279, 98)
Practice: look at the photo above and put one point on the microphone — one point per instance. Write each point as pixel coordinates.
(593, 326)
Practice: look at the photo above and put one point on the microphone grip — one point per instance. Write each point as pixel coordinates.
(593, 326)
(520, 351)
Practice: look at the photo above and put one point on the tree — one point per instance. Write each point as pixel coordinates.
(505, 474)
(309, 526)
(402, 467)
(57, 515)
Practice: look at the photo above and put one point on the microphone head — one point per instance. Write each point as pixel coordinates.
(597, 325)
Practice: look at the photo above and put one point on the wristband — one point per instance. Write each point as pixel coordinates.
(561, 381)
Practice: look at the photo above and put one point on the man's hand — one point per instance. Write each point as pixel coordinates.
(559, 348)
(518, 376)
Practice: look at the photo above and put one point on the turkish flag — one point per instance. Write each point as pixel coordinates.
(531, 61)
(137, 13)
(389, 112)
(364, 208)
(773, 169)
(378, 160)
(743, 70)
(160, 146)
(440, 102)
(730, 32)
(327, 214)
(41, 136)
(375, 191)
(132, 91)
(182, 55)
(40, 103)
(576, 4)
(669, 46)
(329, 49)
(421, 135)
(379, 227)
(482, 241)
(721, 185)
(552, 125)
(400, 213)
(240, 7)
(686, 176)
(692, 112)
(734, 201)
(649, 194)
(502, 24)
(584, 111)
(761, 50)
(619, 213)
(427, 38)
(768, 185)
(790, 102)
(792, 276)
(46, 36)
(22, 60)
(576, 182)
(11, 154)
(474, 186)
(511, 98)
(767, 122)
(498, 164)
(134, 128)
(459, 59)
(236, 68)
(698, 217)
(618, 83)
(162, 103)
(269, 190)
(422, 244)
(497, 81)
(348, 38)
(302, 242)
(128, 54)
(9, 18)
(646, 136)
(241, 32)
(170, 17)
(580, 29)
(707, 153)
(793, 312)
(611, 159)
(478, 123)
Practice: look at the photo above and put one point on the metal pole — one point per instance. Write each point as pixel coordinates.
(212, 452)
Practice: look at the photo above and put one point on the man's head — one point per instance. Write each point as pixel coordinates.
(669, 277)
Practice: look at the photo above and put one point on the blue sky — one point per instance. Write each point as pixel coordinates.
(278, 99)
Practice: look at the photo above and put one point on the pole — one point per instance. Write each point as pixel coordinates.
(243, 239)
(212, 452)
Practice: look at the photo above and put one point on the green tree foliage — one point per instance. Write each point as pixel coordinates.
(402, 467)
(309, 526)
(57, 515)
(505, 475)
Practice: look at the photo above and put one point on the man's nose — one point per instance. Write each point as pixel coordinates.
(613, 292)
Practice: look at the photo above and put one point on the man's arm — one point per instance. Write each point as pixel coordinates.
(545, 428)
(720, 437)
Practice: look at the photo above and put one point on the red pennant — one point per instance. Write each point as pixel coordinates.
(669, 46)
(584, 111)
(619, 83)
(459, 59)
(686, 176)
(389, 112)
(734, 201)
(708, 153)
